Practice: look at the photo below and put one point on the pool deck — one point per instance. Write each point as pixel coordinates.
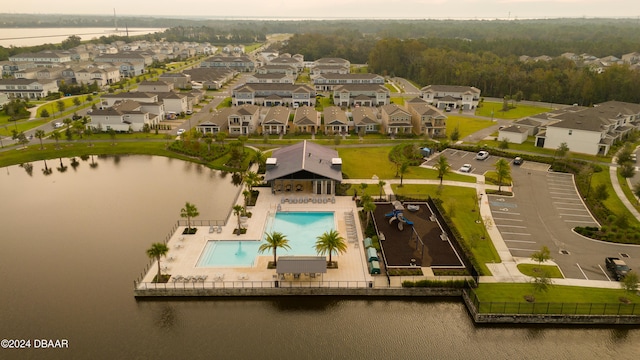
(185, 250)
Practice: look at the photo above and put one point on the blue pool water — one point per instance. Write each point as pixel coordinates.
(300, 228)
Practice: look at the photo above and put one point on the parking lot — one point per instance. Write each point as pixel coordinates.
(543, 211)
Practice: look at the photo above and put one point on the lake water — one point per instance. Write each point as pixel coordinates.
(73, 242)
(38, 36)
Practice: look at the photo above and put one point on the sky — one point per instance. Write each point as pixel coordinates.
(387, 9)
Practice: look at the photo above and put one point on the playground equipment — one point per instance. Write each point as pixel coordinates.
(397, 214)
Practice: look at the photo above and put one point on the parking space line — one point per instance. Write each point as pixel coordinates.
(574, 209)
(495, 218)
(561, 214)
(505, 212)
(580, 221)
(514, 233)
(583, 274)
(512, 226)
(604, 272)
(531, 250)
(569, 203)
(558, 192)
(521, 241)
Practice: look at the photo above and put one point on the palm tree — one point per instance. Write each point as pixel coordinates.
(56, 135)
(237, 211)
(330, 242)
(156, 251)
(40, 134)
(274, 241)
(188, 211)
(368, 207)
(381, 184)
(442, 167)
(404, 168)
(503, 171)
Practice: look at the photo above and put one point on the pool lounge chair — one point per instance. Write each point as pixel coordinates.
(176, 278)
(211, 229)
(219, 229)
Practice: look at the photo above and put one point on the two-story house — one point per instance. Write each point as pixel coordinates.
(269, 79)
(451, 97)
(155, 86)
(361, 95)
(238, 63)
(395, 120)
(327, 82)
(274, 94)
(330, 66)
(306, 120)
(123, 116)
(276, 121)
(335, 120)
(28, 88)
(365, 120)
(426, 119)
(591, 130)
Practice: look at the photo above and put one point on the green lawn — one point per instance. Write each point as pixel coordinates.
(391, 88)
(378, 164)
(628, 192)
(509, 298)
(461, 205)
(531, 270)
(520, 110)
(613, 202)
(397, 100)
(466, 125)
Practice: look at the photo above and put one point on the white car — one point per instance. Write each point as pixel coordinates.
(58, 125)
(465, 168)
(180, 132)
(482, 155)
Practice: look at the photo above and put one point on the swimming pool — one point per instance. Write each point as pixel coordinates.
(300, 228)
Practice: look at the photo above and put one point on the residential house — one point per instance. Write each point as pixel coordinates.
(126, 57)
(179, 81)
(276, 121)
(395, 120)
(631, 58)
(427, 119)
(451, 96)
(210, 78)
(155, 86)
(56, 57)
(28, 88)
(175, 102)
(274, 94)
(306, 120)
(242, 120)
(238, 63)
(288, 60)
(365, 120)
(330, 66)
(591, 130)
(361, 95)
(108, 100)
(288, 70)
(103, 75)
(327, 82)
(122, 116)
(335, 120)
(270, 79)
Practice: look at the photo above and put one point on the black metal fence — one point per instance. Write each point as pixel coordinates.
(550, 308)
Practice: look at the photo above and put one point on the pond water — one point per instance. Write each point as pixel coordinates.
(74, 241)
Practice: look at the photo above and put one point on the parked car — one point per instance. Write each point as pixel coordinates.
(189, 112)
(76, 117)
(482, 155)
(58, 125)
(518, 161)
(617, 267)
(465, 168)
(180, 132)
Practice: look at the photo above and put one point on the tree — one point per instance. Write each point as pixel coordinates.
(541, 256)
(404, 168)
(630, 282)
(443, 167)
(636, 191)
(329, 242)
(368, 206)
(40, 134)
(56, 135)
(363, 187)
(455, 134)
(542, 280)
(627, 170)
(156, 251)
(561, 152)
(601, 192)
(381, 184)
(189, 211)
(274, 240)
(237, 211)
(60, 105)
(112, 135)
(44, 113)
(503, 171)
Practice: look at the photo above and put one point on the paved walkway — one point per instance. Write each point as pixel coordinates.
(613, 173)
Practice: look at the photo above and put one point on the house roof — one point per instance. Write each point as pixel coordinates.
(277, 115)
(450, 88)
(301, 264)
(306, 115)
(515, 129)
(304, 156)
(335, 114)
(364, 116)
(528, 122)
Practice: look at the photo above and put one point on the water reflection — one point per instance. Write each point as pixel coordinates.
(46, 171)
(28, 167)
(62, 168)
(75, 163)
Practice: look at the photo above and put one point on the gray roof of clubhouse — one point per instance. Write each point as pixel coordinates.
(304, 156)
